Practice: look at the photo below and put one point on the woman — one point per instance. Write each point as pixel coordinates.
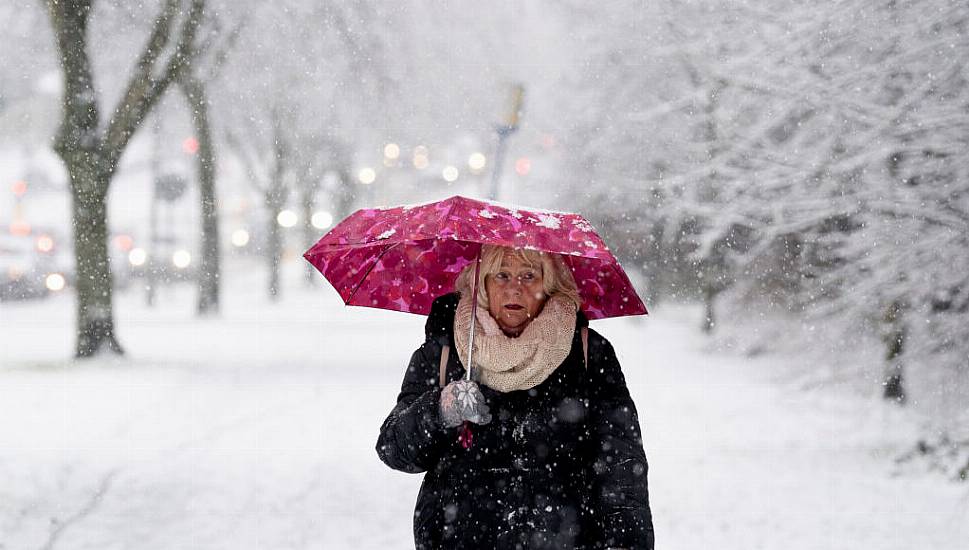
(556, 459)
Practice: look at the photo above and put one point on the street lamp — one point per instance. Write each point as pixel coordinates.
(322, 220)
(505, 129)
(392, 151)
(476, 162)
(449, 173)
(391, 154)
(240, 238)
(287, 218)
(421, 160)
(367, 175)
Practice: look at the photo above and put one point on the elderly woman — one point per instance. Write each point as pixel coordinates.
(556, 459)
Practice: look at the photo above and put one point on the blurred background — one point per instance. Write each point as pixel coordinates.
(787, 179)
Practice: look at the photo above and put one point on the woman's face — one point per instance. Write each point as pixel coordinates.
(515, 294)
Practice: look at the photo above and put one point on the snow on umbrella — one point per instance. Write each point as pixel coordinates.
(403, 257)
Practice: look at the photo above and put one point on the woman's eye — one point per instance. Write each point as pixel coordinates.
(528, 276)
(502, 276)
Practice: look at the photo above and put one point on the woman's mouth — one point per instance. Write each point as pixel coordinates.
(514, 307)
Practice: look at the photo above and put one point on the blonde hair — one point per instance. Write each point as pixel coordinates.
(556, 276)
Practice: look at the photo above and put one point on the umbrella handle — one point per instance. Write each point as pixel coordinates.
(474, 312)
(465, 437)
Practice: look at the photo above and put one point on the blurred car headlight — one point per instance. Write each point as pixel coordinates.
(45, 243)
(137, 256)
(55, 282)
(181, 259)
(240, 238)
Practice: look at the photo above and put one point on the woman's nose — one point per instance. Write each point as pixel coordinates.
(516, 285)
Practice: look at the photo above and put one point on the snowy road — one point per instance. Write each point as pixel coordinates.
(256, 430)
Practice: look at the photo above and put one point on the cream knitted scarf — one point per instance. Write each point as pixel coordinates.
(508, 364)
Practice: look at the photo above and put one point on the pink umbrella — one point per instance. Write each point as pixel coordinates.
(403, 257)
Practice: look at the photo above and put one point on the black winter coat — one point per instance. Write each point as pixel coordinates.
(559, 466)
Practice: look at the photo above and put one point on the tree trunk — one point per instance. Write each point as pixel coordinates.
(274, 246)
(709, 321)
(275, 198)
(91, 153)
(209, 266)
(95, 317)
(894, 339)
(345, 194)
(309, 233)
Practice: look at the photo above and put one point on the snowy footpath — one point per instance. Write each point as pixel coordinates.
(256, 430)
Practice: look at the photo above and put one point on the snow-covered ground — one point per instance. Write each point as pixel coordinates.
(256, 430)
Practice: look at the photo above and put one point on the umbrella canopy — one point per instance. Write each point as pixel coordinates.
(402, 257)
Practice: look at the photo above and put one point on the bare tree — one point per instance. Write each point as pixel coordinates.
(289, 124)
(269, 173)
(316, 157)
(833, 139)
(91, 147)
(310, 170)
(193, 82)
(193, 88)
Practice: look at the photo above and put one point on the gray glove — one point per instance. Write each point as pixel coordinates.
(461, 400)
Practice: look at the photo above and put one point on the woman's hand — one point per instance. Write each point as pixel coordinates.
(462, 401)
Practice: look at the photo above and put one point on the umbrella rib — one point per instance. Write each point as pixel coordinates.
(369, 269)
(447, 216)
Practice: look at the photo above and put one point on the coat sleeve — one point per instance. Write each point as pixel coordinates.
(620, 489)
(412, 437)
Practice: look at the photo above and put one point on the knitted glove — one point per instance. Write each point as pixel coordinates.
(462, 400)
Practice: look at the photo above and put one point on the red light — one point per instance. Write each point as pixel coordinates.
(20, 228)
(523, 166)
(124, 242)
(19, 188)
(190, 145)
